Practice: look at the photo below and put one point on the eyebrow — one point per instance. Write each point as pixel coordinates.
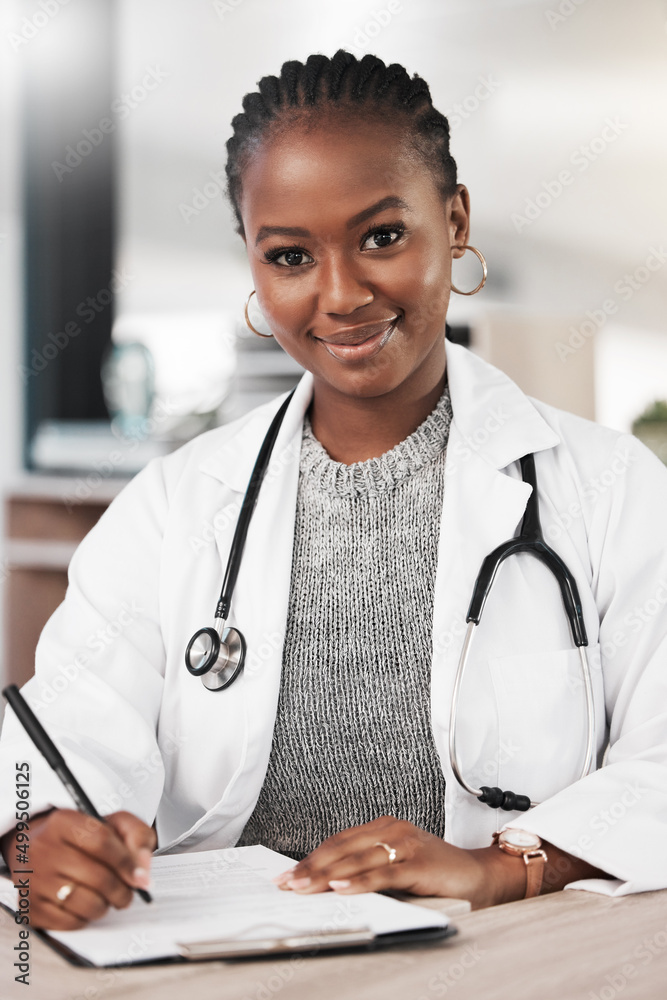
(391, 201)
(265, 231)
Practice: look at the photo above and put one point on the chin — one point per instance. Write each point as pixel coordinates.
(366, 384)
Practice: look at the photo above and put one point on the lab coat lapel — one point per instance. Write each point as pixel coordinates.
(494, 424)
(259, 604)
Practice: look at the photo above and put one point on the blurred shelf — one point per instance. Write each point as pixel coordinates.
(45, 519)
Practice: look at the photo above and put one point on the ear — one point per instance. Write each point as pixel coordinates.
(458, 219)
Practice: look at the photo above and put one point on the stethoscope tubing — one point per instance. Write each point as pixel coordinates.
(529, 540)
(460, 671)
(215, 653)
(247, 510)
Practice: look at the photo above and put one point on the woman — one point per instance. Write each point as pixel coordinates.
(395, 472)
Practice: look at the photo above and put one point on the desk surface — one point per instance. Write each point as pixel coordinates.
(571, 945)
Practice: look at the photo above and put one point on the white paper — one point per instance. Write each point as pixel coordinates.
(228, 894)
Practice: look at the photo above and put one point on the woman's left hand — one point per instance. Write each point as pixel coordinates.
(353, 861)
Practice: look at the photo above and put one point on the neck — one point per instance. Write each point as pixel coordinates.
(354, 429)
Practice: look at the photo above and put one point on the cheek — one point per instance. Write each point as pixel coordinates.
(423, 291)
(435, 272)
(423, 271)
(286, 303)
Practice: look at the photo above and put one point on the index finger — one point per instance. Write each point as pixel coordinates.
(341, 845)
(140, 839)
(99, 841)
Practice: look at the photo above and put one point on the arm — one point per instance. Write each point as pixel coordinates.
(560, 869)
(353, 861)
(99, 666)
(97, 689)
(615, 817)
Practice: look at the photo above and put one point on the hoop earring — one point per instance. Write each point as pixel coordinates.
(247, 318)
(480, 257)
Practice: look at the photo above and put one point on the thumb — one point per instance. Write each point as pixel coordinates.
(140, 839)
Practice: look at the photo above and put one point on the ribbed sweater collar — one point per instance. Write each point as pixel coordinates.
(376, 475)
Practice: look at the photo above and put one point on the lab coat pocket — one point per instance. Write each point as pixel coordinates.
(541, 705)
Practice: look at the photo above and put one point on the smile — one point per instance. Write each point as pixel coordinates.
(360, 343)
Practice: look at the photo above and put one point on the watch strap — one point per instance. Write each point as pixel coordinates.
(534, 861)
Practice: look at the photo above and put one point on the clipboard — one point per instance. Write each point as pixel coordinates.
(337, 942)
(310, 945)
(223, 905)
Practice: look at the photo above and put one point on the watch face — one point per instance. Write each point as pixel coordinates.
(521, 838)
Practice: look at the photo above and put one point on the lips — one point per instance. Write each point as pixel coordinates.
(359, 343)
(351, 336)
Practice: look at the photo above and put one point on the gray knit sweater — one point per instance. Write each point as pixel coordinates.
(352, 739)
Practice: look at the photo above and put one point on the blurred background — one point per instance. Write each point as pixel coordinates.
(122, 281)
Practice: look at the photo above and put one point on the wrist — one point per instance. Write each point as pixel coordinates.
(503, 877)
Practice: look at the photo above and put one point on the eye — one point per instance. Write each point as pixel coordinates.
(288, 257)
(382, 236)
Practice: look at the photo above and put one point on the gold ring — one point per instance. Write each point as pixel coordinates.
(391, 851)
(64, 892)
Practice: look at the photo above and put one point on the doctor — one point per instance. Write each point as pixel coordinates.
(395, 472)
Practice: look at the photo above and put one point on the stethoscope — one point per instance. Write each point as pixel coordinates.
(529, 539)
(217, 653)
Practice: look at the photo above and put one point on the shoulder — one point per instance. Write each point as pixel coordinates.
(502, 423)
(209, 444)
(214, 452)
(590, 449)
(603, 487)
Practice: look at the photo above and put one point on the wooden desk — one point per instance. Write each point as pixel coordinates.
(571, 945)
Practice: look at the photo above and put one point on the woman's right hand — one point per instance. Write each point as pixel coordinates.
(101, 861)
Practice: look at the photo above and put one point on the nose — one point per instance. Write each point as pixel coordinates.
(342, 287)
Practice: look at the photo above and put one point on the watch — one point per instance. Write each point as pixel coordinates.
(522, 844)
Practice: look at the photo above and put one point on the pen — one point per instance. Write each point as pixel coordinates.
(54, 758)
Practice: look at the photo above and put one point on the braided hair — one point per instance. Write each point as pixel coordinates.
(341, 84)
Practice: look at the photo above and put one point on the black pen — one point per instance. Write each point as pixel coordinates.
(54, 758)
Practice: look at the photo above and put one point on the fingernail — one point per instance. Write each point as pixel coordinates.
(142, 878)
(340, 883)
(299, 883)
(283, 877)
(144, 858)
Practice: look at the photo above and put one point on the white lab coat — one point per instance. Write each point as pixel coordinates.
(142, 734)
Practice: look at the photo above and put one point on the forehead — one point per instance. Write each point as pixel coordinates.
(326, 173)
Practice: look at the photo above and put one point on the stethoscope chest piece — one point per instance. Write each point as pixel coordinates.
(217, 659)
